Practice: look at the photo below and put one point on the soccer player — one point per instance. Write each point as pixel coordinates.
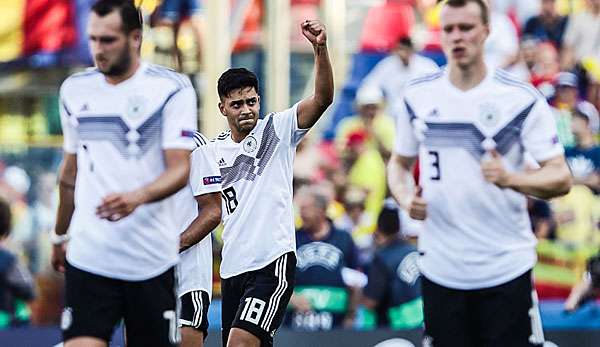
(470, 125)
(255, 157)
(197, 219)
(126, 127)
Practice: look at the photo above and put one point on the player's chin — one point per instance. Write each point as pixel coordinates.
(246, 124)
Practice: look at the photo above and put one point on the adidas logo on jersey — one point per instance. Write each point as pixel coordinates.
(84, 108)
(222, 162)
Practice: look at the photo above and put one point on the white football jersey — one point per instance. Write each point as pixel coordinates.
(256, 174)
(119, 133)
(476, 235)
(194, 271)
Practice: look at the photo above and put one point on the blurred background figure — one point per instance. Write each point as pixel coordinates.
(16, 284)
(391, 73)
(584, 156)
(169, 17)
(548, 25)
(323, 299)
(393, 291)
(582, 36)
(563, 104)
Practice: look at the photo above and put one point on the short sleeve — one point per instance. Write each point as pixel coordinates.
(180, 117)
(539, 135)
(69, 129)
(286, 122)
(377, 281)
(205, 176)
(406, 142)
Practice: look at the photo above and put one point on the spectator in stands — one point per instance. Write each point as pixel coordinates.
(16, 284)
(170, 15)
(322, 300)
(582, 36)
(523, 67)
(393, 290)
(542, 218)
(563, 105)
(502, 45)
(391, 74)
(378, 128)
(548, 25)
(587, 288)
(546, 68)
(358, 222)
(584, 157)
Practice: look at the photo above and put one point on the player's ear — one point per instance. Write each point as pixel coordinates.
(222, 109)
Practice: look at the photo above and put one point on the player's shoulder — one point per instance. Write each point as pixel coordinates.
(505, 79)
(80, 79)
(424, 81)
(199, 139)
(168, 75)
(223, 136)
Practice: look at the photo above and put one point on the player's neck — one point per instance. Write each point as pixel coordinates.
(465, 78)
(238, 136)
(135, 64)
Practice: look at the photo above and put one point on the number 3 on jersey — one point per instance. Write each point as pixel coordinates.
(230, 199)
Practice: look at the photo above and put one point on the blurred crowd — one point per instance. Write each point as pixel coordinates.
(356, 249)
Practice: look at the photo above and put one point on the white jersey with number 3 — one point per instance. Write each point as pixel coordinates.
(476, 234)
(256, 183)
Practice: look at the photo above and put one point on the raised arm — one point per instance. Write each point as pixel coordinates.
(311, 108)
(117, 206)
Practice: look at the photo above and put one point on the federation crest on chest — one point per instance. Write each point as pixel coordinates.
(489, 115)
(250, 144)
(136, 106)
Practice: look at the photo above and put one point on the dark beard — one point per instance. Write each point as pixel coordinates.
(121, 65)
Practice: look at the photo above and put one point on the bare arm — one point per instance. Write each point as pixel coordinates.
(552, 179)
(66, 193)
(400, 179)
(119, 205)
(311, 108)
(209, 217)
(355, 297)
(66, 206)
(403, 188)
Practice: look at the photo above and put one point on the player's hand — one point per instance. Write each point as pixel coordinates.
(117, 206)
(314, 31)
(493, 169)
(418, 205)
(58, 257)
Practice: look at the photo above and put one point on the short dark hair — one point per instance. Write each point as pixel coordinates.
(236, 78)
(5, 218)
(388, 221)
(405, 41)
(483, 6)
(130, 15)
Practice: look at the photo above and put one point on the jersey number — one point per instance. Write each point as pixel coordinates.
(253, 310)
(230, 199)
(435, 163)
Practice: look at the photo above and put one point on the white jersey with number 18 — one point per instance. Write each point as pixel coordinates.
(256, 183)
(476, 234)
